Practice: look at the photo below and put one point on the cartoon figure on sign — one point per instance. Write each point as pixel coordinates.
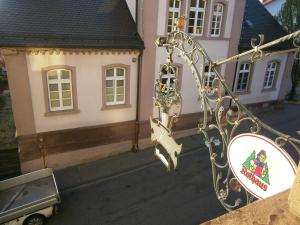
(258, 166)
(255, 168)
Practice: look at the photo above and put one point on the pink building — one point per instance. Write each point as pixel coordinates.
(82, 74)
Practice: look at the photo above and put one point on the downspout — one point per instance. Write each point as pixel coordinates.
(135, 146)
(233, 82)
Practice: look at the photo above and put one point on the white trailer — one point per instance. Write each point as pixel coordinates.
(28, 199)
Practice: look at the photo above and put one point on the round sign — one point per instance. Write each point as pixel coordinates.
(262, 168)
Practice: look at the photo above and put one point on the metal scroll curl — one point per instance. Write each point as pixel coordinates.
(296, 43)
(224, 117)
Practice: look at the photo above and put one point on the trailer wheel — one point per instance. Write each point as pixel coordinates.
(36, 219)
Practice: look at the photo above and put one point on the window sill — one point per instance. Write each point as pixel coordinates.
(62, 112)
(111, 107)
(268, 89)
(196, 35)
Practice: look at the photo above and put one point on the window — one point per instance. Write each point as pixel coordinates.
(270, 74)
(174, 12)
(60, 94)
(217, 17)
(59, 84)
(243, 77)
(209, 76)
(115, 86)
(168, 77)
(196, 17)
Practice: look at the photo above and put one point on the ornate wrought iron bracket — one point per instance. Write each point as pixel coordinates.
(214, 101)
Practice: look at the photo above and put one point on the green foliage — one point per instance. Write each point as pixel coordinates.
(7, 126)
(289, 15)
(247, 164)
(289, 18)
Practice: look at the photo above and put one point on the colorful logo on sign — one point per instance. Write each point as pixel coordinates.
(255, 168)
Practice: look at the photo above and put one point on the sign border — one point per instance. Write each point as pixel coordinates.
(285, 154)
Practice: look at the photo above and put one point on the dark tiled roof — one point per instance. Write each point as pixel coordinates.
(68, 24)
(257, 20)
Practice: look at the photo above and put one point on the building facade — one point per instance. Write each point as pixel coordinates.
(82, 87)
(211, 23)
(73, 80)
(223, 28)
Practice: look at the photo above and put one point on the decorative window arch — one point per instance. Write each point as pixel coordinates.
(197, 15)
(115, 86)
(271, 74)
(60, 89)
(244, 77)
(217, 19)
(169, 78)
(209, 76)
(173, 14)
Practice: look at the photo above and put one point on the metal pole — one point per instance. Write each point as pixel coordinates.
(259, 48)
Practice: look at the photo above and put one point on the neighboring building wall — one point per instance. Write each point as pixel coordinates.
(212, 45)
(19, 86)
(256, 93)
(228, 44)
(89, 90)
(188, 89)
(148, 17)
(50, 139)
(239, 9)
(286, 81)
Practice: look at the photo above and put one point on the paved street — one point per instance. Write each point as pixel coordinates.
(135, 188)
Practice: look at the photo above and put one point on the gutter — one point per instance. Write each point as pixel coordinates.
(135, 146)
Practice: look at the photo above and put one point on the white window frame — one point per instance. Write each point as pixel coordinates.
(59, 81)
(197, 10)
(169, 76)
(209, 77)
(242, 73)
(215, 16)
(115, 78)
(173, 9)
(270, 75)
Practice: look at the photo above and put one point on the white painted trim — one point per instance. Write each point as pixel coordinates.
(243, 72)
(197, 10)
(59, 81)
(268, 74)
(173, 10)
(217, 15)
(116, 78)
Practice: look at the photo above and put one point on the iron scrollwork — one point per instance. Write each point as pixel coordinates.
(223, 115)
